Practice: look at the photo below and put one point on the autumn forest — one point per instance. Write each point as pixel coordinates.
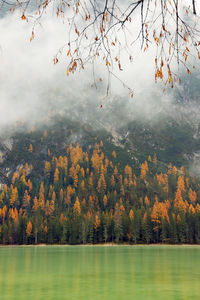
(88, 198)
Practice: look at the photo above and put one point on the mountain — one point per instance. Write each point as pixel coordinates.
(166, 125)
(92, 192)
(93, 172)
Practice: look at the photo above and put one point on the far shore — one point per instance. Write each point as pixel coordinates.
(100, 245)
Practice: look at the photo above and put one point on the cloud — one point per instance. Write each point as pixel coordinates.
(32, 87)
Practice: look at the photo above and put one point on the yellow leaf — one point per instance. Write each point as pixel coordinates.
(187, 49)
(67, 72)
(55, 60)
(32, 36)
(23, 17)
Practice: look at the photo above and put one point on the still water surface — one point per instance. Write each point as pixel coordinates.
(88, 272)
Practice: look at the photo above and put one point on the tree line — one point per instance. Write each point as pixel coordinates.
(89, 198)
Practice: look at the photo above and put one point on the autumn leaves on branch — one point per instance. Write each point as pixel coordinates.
(110, 30)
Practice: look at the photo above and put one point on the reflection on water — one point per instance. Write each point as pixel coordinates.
(85, 272)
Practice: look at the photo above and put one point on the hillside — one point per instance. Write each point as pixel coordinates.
(92, 192)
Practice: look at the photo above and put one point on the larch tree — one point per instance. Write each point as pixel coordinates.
(77, 207)
(105, 30)
(192, 196)
(29, 228)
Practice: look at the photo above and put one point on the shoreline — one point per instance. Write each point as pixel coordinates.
(98, 245)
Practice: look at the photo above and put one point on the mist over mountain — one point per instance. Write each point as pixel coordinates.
(35, 92)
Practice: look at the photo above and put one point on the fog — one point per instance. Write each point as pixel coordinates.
(33, 89)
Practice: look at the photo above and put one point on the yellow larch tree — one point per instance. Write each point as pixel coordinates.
(114, 155)
(125, 182)
(56, 175)
(41, 199)
(181, 183)
(146, 201)
(30, 186)
(61, 195)
(191, 209)
(179, 203)
(97, 222)
(77, 207)
(174, 170)
(128, 171)
(29, 228)
(35, 204)
(192, 196)
(144, 170)
(30, 148)
(112, 181)
(70, 192)
(101, 186)
(158, 213)
(14, 195)
(131, 215)
(105, 200)
(116, 172)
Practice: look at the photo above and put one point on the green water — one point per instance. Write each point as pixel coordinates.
(87, 272)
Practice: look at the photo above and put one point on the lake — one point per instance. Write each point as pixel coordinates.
(99, 272)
